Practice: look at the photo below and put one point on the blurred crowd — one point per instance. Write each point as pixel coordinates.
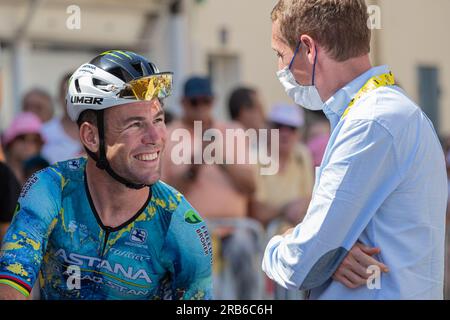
(243, 208)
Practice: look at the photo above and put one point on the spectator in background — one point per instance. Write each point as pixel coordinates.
(317, 136)
(33, 165)
(40, 103)
(286, 195)
(22, 140)
(9, 190)
(60, 133)
(246, 108)
(169, 117)
(216, 191)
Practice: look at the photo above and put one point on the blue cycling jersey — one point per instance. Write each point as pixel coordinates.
(163, 252)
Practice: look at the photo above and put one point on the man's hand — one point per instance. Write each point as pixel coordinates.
(288, 232)
(353, 270)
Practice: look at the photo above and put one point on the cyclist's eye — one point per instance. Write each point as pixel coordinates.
(135, 125)
(159, 120)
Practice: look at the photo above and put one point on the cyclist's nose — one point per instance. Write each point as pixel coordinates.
(153, 135)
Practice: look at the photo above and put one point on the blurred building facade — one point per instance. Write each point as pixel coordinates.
(229, 40)
(413, 40)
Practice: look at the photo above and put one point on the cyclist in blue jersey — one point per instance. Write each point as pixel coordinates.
(106, 227)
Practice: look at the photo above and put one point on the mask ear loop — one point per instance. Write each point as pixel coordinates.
(295, 54)
(314, 67)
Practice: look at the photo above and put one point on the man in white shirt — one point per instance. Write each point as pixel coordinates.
(382, 181)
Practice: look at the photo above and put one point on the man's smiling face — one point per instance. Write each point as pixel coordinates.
(135, 137)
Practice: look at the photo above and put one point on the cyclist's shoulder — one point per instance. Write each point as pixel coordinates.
(175, 203)
(55, 177)
(167, 197)
(70, 169)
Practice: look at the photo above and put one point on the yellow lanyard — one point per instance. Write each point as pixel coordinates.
(383, 80)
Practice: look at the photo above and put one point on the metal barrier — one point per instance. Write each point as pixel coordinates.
(224, 281)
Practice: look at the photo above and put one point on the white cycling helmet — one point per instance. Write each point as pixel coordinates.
(114, 78)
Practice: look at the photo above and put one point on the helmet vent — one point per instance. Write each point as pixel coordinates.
(119, 73)
(138, 68)
(77, 86)
(100, 84)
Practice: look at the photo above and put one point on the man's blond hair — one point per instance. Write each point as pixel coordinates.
(340, 26)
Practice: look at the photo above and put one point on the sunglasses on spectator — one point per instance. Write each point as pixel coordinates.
(198, 101)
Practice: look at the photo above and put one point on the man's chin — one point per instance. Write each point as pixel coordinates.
(149, 180)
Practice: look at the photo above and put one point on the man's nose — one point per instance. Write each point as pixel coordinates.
(152, 135)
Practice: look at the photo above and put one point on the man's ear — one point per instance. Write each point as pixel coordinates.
(89, 136)
(310, 47)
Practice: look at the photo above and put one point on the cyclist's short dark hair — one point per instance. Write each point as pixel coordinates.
(87, 116)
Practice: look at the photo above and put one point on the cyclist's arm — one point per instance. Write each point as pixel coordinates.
(26, 240)
(9, 293)
(189, 254)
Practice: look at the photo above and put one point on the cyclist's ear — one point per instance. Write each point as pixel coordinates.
(89, 136)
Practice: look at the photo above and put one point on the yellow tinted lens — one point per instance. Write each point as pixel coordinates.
(148, 88)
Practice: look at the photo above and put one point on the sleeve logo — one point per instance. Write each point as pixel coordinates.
(192, 217)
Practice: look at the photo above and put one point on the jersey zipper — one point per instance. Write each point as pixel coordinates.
(108, 231)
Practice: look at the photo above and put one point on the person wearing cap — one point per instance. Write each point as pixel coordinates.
(105, 226)
(284, 197)
(215, 190)
(22, 140)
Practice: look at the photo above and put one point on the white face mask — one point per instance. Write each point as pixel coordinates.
(306, 96)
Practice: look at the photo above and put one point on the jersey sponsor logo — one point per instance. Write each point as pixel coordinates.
(103, 265)
(89, 66)
(72, 226)
(86, 100)
(138, 235)
(129, 255)
(114, 285)
(74, 164)
(192, 217)
(205, 240)
(26, 188)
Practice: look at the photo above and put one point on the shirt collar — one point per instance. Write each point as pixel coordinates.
(336, 105)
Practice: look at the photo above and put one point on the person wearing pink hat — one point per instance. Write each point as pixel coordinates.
(21, 141)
